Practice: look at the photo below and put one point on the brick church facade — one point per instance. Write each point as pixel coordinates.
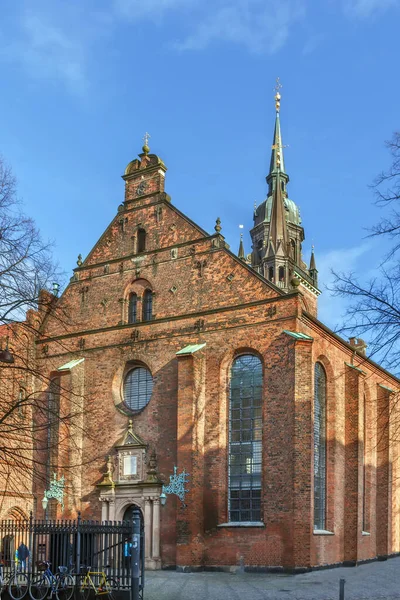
(182, 354)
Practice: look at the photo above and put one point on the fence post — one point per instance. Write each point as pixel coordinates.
(135, 554)
(31, 555)
(78, 552)
(341, 589)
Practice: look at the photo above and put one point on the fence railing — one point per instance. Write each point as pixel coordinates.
(115, 548)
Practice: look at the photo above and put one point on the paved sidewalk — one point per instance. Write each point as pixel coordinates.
(377, 581)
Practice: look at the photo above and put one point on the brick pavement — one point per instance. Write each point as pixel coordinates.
(376, 580)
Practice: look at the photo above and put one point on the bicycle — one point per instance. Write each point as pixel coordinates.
(16, 584)
(105, 584)
(61, 584)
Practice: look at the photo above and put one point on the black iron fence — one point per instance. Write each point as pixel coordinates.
(113, 548)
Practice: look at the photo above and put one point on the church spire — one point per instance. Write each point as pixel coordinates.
(313, 268)
(277, 160)
(241, 248)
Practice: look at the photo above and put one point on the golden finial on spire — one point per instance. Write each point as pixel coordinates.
(146, 138)
(277, 87)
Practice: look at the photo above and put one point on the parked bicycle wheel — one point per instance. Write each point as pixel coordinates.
(110, 594)
(65, 587)
(18, 586)
(85, 590)
(39, 587)
(113, 583)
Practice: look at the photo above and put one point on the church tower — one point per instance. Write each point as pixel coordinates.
(278, 234)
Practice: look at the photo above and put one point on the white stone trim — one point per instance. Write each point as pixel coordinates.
(243, 524)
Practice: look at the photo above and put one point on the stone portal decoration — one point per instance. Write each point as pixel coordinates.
(131, 457)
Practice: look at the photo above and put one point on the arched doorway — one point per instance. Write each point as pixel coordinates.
(128, 514)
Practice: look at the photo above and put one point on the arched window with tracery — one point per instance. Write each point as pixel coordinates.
(245, 439)
(319, 447)
(148, 305)
(365, 499)
(132, 308)
(141, 240)
(53, 407)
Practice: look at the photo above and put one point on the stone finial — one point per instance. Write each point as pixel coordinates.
(152, 469)
(107, 480)
(145, 147)
(278, 86)
(358, 344)
(218, 225)
(79, 261)
(295, 281)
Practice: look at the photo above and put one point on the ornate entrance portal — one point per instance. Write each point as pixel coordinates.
(133, 486)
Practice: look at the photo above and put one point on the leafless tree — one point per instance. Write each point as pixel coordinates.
(26, 265)
(39, 432)
(374, 307)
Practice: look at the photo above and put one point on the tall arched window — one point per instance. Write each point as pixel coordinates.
(365, 502)
(53, 407)
(245, 434)
(141, 240)
(271, 273)
(132, 308)
(319, 447)
(147, 305)
(281, 273)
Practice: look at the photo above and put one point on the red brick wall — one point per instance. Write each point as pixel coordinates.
(203, 294)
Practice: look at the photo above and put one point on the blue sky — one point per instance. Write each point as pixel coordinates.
(82, 80)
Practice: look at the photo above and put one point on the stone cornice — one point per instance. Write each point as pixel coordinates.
(184, 316)
(178, 334)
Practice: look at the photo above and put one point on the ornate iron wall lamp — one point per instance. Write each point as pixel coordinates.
(176, 486)
(56, 491)
(5, 355)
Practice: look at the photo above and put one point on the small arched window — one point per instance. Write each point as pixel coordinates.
(281, 274)
(22, 396)
(138, 387)
(132, 308)
(148, 305)
(141, 240)
(319, 447)
(293, 253)
(271, 273)
(245, 435)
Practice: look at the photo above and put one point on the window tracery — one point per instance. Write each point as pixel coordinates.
(245, 439)
(319, 447)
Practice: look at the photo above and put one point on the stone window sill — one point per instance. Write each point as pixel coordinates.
(243, 524)
(365, 533)
(322, 532)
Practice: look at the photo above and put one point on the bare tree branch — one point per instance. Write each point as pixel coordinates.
(374, 306)
(41, 419)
